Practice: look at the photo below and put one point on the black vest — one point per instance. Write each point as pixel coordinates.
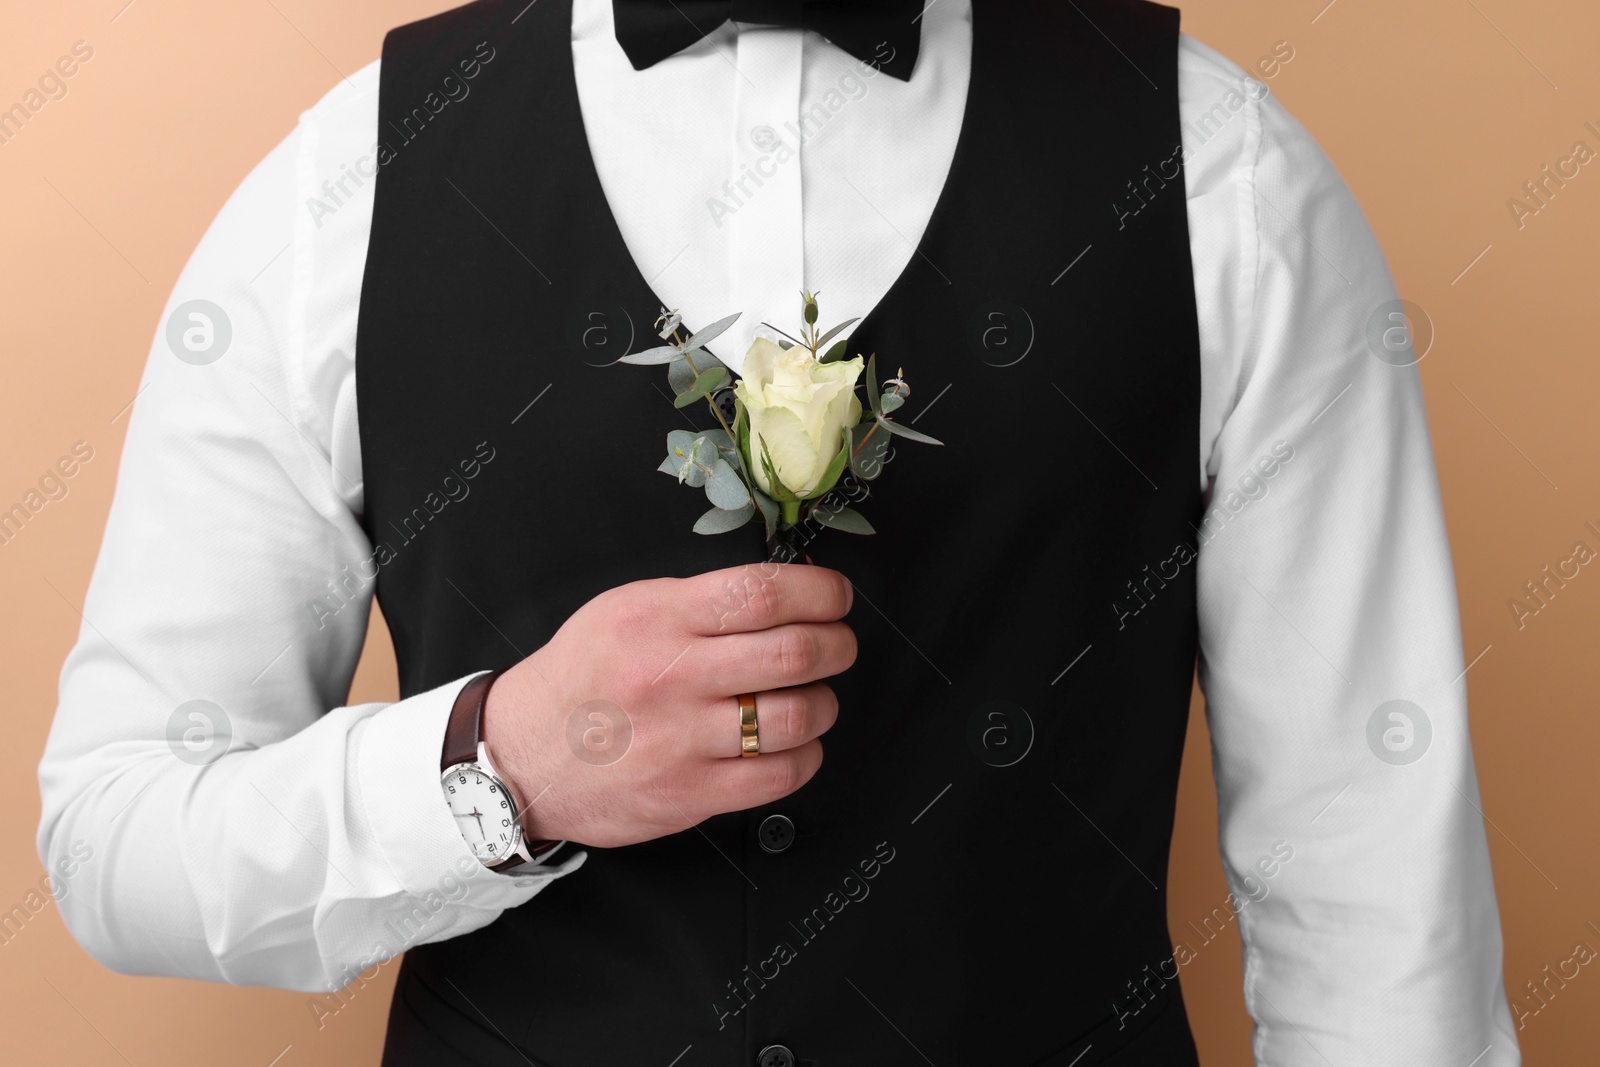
(977, 874)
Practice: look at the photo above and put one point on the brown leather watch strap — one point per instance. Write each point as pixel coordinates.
(465, 727)
(461, 736)
(535, 850)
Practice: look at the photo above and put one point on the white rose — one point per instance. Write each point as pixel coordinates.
(800, 410)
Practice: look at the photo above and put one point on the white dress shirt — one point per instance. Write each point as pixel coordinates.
(319, 844)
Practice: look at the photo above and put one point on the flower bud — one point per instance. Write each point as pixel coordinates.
(800, 411)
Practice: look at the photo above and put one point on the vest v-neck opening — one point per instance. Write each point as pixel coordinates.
(583, 151)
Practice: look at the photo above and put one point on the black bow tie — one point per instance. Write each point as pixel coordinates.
(884, 33)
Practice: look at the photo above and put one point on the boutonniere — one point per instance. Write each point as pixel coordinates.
(789, 427)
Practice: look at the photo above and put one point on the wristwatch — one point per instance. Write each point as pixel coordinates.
(485, 807)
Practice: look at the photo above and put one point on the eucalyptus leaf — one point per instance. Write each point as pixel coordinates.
(831, 334)
(725, 488)
(890, 401)
(872, 383)
(725, 446)
(680, 376)
(719, 437)
(686, 472)
(712, 332)
(704, 383)
(722, 520)
(907, 432)
(842, 518)
(869, 447)
(835, 353)
(689, 456)
(653, 357)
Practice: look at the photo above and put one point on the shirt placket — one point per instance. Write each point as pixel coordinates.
(766, 242)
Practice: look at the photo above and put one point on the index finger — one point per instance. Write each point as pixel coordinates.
(759, 596)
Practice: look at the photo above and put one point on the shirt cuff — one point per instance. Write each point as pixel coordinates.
(397, 767)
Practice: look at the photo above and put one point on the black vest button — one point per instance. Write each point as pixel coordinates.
(776, 835)
(726, 403)
(775, 1055)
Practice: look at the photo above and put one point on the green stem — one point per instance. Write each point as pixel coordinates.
(712, 404)
(790, 510)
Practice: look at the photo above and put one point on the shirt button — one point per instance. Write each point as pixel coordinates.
(776, 835)
(775, 1056)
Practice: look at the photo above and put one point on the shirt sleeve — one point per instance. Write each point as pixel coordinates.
(220, 815)
(1331, 661)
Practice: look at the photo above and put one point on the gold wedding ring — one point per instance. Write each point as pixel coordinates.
(748, 741)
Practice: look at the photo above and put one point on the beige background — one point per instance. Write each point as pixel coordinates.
(1436, 111)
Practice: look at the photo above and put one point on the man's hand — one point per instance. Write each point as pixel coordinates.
(625, 726)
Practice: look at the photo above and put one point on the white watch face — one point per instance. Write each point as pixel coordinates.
(484, 812)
